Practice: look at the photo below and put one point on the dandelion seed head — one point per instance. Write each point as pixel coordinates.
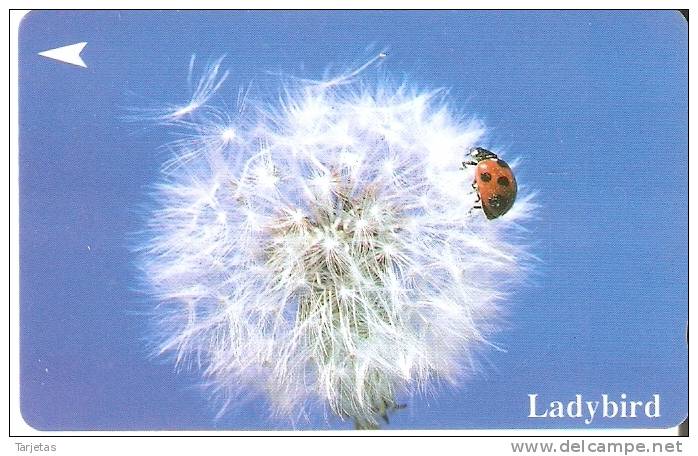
(327, 250)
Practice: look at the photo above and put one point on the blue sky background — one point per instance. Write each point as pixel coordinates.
(594, 102)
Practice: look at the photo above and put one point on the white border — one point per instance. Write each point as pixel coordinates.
(113, 445)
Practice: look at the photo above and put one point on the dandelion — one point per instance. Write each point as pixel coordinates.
(326, 250)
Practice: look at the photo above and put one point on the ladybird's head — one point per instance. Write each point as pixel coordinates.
(480, 153)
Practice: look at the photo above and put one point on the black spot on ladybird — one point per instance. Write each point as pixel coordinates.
(502, 163)
(495, 201)
(486, 177)
(503, 181)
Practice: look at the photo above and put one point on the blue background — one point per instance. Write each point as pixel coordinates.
(594, 102)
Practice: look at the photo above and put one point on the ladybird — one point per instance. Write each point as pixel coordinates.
(494, 182)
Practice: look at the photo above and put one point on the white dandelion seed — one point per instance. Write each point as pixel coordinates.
(327, 250)
(207, 86)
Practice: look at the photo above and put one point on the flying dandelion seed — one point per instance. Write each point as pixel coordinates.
(327, 250)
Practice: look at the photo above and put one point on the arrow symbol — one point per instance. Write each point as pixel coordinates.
(67, 54)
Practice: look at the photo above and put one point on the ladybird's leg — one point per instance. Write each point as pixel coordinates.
(477, 206)
(477, 193)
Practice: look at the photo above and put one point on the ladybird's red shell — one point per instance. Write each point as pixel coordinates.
(496, 185)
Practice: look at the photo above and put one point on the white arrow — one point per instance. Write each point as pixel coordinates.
(67, 54)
